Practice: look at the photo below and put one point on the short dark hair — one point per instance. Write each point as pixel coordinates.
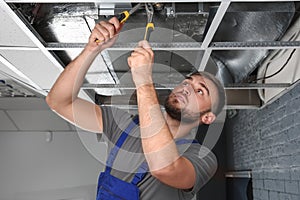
(218, 105)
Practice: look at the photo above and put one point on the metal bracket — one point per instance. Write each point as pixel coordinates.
(105, 8)
(170, 11)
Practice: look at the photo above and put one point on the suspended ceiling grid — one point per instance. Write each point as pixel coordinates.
(25, 57)
(28, 61)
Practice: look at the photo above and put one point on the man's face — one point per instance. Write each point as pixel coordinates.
(190, 99)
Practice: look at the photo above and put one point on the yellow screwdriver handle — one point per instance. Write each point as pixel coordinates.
(149, 29)
(123, 16)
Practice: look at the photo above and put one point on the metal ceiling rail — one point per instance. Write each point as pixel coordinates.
(135, 1)
(215, 23)
(19, 48)
(129, 46)
(182, 46)
(107, 1)
(187, 45)
(124, 86)
(255, 45)
(240, 107)
(251, 86)
(211, 32)
(204, 59)
(234, 86)
(226, 107)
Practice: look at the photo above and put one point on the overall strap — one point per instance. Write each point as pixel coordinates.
(143, 169)
(140, 174)
(186, 141)
(113, 153)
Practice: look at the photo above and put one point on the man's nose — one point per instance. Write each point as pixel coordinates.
(186, 90)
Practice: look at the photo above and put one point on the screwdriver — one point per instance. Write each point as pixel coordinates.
(150, 24)
(123, 16)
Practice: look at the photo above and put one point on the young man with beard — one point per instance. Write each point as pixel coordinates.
(158, 157)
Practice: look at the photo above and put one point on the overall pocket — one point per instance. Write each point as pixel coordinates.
(112, 188)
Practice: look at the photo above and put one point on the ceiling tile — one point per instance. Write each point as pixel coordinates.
(13, 34)
(5, 123)
(29, 62)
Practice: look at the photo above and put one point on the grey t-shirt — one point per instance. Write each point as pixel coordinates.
(130, 156)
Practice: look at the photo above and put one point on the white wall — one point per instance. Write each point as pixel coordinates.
(31, 168)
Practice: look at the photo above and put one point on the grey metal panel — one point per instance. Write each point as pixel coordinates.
(235, 98)
(243, 98)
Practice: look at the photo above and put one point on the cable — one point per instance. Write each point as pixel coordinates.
(109, 71)
(292, 38)
(284, 65)
(87, 23)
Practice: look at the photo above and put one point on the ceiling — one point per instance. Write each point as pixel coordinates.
(238, 40)
(231, 39)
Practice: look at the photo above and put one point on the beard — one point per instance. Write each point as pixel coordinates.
(179, 114)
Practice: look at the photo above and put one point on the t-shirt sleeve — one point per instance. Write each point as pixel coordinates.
(204, 162)
(114, 120)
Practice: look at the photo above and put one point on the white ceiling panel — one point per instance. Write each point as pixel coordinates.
(5, 123)
(35, 65)
(5, 69)
(13, 34)
(38, 120)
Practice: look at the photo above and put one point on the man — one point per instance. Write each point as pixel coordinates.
(175, 172)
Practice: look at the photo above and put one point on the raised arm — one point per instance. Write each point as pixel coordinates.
(63, 96)
(159, 147)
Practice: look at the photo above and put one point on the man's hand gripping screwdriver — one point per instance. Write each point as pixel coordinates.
(123, 16)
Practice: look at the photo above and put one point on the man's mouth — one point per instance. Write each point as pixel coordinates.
(181, 98)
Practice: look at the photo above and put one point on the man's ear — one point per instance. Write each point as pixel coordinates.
(208, 118)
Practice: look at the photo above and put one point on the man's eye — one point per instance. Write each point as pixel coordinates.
(185, 83)
(200, 92)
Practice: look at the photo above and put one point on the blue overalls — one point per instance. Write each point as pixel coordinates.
(113, 188)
